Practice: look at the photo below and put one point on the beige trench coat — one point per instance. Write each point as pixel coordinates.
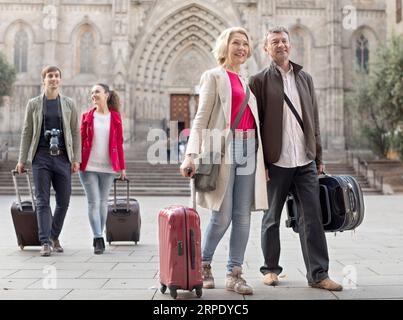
(214, 112)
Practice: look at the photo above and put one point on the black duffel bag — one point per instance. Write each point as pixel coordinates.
(341, 202)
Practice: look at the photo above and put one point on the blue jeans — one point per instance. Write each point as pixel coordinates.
(50, 170)
(236, 206)
(97, 186)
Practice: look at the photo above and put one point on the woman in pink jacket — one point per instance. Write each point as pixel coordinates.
(102, 156)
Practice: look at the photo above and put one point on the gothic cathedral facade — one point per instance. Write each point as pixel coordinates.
(154, 51)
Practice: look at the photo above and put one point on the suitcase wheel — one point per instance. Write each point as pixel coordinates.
(199, 292)
(174, 293)
(135, 243)
(163, 288)
(21, 247)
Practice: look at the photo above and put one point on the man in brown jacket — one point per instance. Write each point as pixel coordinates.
(293, 157)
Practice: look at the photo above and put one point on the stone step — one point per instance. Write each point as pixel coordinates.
(157, 180)
(133, 192)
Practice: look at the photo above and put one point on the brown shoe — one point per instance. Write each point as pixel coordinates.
(56, 245)
(327, 284)
(270, 279)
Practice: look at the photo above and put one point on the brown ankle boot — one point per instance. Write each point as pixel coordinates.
(208, 279)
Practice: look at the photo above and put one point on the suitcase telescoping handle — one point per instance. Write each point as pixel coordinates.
(114, 194)
(192, 190)
(17, 191)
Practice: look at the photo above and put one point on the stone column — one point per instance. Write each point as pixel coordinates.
(267, 11)
(50, 24)
(334, 124)
(120, 47)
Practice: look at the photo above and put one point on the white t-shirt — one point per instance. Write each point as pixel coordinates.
(99, 160)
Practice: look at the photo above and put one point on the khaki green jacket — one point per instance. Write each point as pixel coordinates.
(32, 126)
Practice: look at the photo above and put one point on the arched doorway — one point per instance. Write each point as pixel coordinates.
(167, 67)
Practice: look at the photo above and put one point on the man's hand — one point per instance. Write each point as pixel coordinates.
(321, 168)
(267, 175)
(20, 168)
(75, 166)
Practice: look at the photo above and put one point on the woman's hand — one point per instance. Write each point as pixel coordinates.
(20, 168)
(122, 175)
(187, 167)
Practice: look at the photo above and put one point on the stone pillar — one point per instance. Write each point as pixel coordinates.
(50, 24)
(267, 12)
(120, 47)
(333, 128)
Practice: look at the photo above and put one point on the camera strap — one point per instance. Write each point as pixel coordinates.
(45, 110)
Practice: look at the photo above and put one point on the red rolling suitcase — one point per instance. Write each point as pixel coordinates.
(24, 218)
(123, 222)
(180, 249)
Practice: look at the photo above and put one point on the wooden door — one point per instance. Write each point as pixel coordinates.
(180, 109)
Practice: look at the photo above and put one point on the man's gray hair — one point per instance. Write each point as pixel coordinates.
(276, 29)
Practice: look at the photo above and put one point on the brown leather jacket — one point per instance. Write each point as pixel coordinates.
(268, 88)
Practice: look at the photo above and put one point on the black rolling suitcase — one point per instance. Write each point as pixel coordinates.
(341, 202)
(24, 218)
(123, 222)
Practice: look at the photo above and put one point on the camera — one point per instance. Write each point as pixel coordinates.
(53, 137)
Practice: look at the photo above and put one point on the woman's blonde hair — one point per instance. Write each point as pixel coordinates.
(220, 50)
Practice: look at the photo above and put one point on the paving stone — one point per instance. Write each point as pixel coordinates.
(24, 294)
(72, 284)
(372, 292)
(12, 284)
(110, 295)
(61, 274)
(145, 284)
(126, 271)
(285, 293)
(119, 274)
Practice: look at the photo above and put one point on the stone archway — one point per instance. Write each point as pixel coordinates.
(182, 83)
(170, 61)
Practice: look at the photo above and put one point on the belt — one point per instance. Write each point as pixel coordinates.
(46, 150)
(244, 134)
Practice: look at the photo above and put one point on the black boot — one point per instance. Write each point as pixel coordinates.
(98, 246)
(103, 244)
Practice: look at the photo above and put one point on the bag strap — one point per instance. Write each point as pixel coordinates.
(242, 110)
(294, 111)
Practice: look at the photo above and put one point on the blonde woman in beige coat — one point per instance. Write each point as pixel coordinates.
(241, 184)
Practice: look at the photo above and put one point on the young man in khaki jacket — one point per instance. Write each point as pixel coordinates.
(51, 140)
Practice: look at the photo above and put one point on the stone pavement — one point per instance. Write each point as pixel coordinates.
(372, 257)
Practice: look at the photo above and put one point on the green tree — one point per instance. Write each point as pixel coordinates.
(7, 77)
(378, 98)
